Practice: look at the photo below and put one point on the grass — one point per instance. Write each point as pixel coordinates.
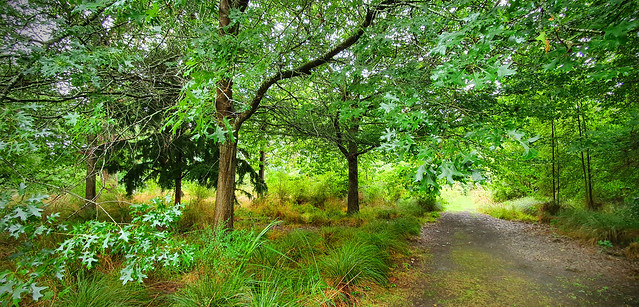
(101, 291)
(509, 212)
(317, 255)
(456, 199)
(617, 225)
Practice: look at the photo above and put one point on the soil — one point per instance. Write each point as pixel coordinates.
(477, 260)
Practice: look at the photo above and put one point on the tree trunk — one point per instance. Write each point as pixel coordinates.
(225, 111)
(178, 178)
(552, 140)
(353, 179)
(262, 165)
(225, 194)
(90, 191)
(585, 168)
(178, 189)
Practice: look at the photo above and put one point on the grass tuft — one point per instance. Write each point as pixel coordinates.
(352, 264)
(97, 291)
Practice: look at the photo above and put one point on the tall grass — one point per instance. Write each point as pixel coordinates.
(354, 263)
(617, 225)
(101, 291)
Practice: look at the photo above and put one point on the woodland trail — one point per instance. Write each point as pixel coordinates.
(477, 260)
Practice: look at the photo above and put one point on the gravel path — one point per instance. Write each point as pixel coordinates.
(477, 260)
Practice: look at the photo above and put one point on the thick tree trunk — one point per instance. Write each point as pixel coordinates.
(225, 111)
(225, 194)
(353, 180)
(90, 191)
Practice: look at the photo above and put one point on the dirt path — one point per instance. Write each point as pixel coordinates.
(477, 260)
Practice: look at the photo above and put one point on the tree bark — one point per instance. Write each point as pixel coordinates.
(353, 179)
(225, 194)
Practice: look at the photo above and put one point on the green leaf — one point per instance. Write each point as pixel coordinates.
(37, 199)
(504, 71)
(391, 97)
(71, 118)
(541, 37)
(448, 170)
(36, 291)
(388, 107)
(420, 172)
(124, 235)
(22, 189)
(219, 135)
(35, 211)
(7, 286)
(18, 212)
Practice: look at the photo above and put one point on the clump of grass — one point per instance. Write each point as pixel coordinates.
(508, 212)
(101, 290)
(226, 289)
(197, 214)
(617, 225)
(523, 209)
(352, 264)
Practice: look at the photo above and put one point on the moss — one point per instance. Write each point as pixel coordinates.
(481, 279)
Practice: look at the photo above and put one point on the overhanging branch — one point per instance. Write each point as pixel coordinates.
(308, 67)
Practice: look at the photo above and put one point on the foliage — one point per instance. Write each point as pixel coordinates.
(145, 243)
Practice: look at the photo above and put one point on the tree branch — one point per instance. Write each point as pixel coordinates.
(306, 68)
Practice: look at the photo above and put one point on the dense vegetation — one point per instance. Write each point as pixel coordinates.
(342, 119)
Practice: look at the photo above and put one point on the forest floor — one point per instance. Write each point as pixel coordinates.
(471, 259)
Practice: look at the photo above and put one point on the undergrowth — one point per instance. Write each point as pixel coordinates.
(315, 255)
(615, 223)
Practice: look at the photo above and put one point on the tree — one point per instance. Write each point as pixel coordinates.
(285, 61)
(338, 112)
